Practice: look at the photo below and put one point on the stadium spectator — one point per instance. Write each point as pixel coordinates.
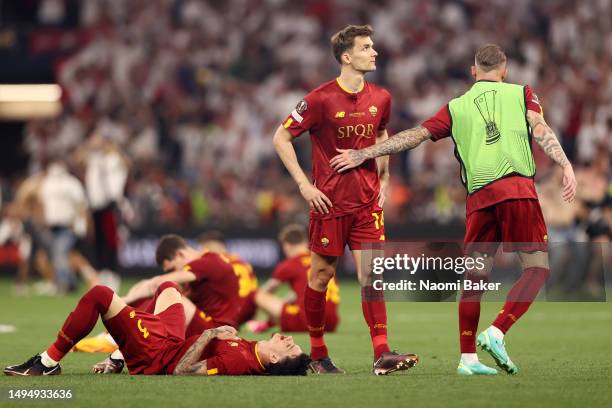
(64, 207)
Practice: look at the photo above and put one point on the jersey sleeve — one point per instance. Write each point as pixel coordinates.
(281, 272)
(230, 363)
(210, 266)
(439, 125)
(386, 114)
(531, 101)
(305, 116)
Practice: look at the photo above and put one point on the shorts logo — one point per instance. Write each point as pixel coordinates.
(373, 110)
(324, 241)
(545, 238)
(340, 114)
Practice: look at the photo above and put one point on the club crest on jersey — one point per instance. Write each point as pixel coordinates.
(340, 114)
(324, 241)
(373, 110)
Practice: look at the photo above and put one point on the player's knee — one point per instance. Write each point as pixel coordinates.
(167, 285)
(320, 277)
(100, 295)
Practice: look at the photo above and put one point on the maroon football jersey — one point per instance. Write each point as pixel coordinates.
(337, 118)
(215, 290)
(224, 357)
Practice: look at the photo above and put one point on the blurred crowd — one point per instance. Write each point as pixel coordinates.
(191, 92)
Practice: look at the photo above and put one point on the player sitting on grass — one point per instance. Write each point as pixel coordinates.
(289, 313)
(154, 343)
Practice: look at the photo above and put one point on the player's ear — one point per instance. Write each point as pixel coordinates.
(346, 57)
(473, 71)
(274, 358)
(504, 73)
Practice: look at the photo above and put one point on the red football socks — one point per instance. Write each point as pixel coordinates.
(375, 314)
(469, 315)
(521, 296)
(314, 307)
(81, 321)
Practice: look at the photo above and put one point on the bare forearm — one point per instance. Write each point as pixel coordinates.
(382, 162)
(189, 363)
(405, 140)
(286, 152)
(139, 291)
(545, 137)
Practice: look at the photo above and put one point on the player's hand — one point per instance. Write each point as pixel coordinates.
(384, 188)
(225, 333)
(316, 199)
(346, 160)
(569, 184)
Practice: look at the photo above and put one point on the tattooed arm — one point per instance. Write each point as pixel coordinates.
(405, 140)
(189, 364)
(546, 138)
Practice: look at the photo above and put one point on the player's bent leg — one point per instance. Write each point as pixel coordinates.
(167, 295)
(96, 302)
(519, 299)
(323, 268)
(269, 303)
(272, 305)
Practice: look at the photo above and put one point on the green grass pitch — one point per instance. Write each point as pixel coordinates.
(562, 349)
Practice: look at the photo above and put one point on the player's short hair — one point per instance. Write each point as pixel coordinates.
(167, 247)
(293, 234)
(290, 366)
(212, 235)
(489, 57)
(344, 39)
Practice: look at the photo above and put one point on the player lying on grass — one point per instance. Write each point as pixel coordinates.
(155, 343)
(196, 321)
(289, 312)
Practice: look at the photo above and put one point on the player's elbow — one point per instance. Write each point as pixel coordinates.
(281, 137)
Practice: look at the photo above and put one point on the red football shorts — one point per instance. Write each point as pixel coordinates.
(518, 224)
(330, 236)
(293, 318)
(144, 338)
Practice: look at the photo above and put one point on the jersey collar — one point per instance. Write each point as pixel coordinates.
(258, 358)
(345, 89)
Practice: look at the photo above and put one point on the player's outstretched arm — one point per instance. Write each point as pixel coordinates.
(189, 364)
(546, 138)
(147, 287)
(404, 140)
(284, 148)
